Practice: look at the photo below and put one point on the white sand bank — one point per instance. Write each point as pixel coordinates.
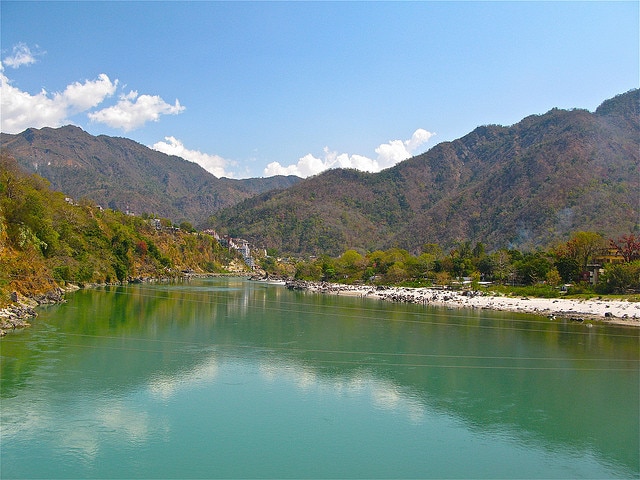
(611, 311)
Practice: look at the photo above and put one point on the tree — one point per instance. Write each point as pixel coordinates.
(478, 251)
(350, 263)
(120, 245)
(328, 268)
(396, 273)
(462, 259)
(583, 246)
(619, 278)
(443, 278)
(553, 277)
(187, 227)
(462, 267)
(376, 262)
(533, 268)
(420, 267)
(433, 249)
(268, 264)
(141, 248)
(486, 266)
(568, 268)
(308, 271)
(627, 246)
(502, 265)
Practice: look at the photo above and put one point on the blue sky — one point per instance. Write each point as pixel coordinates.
(252, 89)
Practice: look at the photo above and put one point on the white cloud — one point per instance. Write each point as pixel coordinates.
(397, 150)
(388, 155)
(306, 166)
(133, 111)
(214, 164)
(83, 96)
(419, 138)
(21, 56)
(21, 110)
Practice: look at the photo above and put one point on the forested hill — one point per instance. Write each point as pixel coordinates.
(522, 186)
(47, 241)
(121, 174)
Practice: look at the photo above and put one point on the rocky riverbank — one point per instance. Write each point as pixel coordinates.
(17, 314)
(610, 311)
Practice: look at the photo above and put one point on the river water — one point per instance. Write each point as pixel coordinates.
(237, 379)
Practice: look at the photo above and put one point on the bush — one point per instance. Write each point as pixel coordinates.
(538, 290)
(620, 278)
(141, 247)
(187, 227)
(211, 267)
(580, 288)
(308, 271)
(85, 273)
(121, 271)
(165, 261)
(62, 272)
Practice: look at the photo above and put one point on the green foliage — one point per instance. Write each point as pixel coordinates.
(580, 289)
(536, 273)
(583, 246)
(526, 186)
(539, 290)
(26, 210)
(553, 277)
(620, 278)
(62, 272)
(187, 227)
(308, 271)
(533, 268)
(121, 174)
(85, 272)
(328, 269)
(121, 271)
(568, 269)
(44, 238)
(349, 265)
(268, 264)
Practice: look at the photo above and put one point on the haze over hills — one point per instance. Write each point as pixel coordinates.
(521, 186)
(122, 174)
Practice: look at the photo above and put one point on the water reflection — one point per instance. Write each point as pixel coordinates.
(74, 426)
(166, 385)
(137, 364)
(380, 394)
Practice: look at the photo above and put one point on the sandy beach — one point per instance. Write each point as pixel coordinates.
(611, 311)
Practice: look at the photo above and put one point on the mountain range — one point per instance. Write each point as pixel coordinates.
(523, 186)
(124, 175)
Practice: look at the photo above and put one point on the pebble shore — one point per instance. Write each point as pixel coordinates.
(610, 311)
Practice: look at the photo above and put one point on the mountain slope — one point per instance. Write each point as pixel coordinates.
(125, 175)
(522, 186)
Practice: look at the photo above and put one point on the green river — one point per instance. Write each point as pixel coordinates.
(227, 378)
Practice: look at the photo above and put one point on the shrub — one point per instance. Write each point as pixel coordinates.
(620, 278)
(580, 288)
(62, 272)
(141, 248)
